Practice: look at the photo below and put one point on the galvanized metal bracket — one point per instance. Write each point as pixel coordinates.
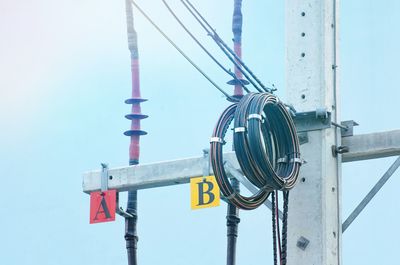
(206, 162)
(312, 120)
(104, 177)
(349, 125)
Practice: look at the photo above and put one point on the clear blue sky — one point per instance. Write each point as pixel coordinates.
(64, 74)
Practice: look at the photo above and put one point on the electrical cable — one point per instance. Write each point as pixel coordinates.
(266, 147)
(285, 226)
(182, 52)
(218, 40)
(233, 75)
(278, 232)
(225, 48)
(216, 154)
(266, 142)
(274, 216)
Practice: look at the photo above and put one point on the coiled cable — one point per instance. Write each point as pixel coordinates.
(266, 147)
(216, 154)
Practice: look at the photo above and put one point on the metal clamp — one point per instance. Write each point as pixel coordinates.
(255, 116)
(339, 150)
(239, 129)
(217, 140)
(282, 160)
(206, 162)
(120, 211)
(318, 119)
(104, 177)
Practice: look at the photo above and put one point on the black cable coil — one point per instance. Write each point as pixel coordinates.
(266, 146)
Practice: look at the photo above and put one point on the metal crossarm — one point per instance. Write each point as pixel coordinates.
(180, 171)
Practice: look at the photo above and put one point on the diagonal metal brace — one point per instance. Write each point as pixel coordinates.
(371, 194)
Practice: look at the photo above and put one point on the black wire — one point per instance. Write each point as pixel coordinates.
(203, 48)
(274, 228)
(182, 53)
(215, 37)
(285, 226)
(217, 161)
(225, 48)
(266, 147)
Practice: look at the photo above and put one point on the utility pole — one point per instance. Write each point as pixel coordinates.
(314, 231)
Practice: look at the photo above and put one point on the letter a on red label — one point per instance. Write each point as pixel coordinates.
(102, 206)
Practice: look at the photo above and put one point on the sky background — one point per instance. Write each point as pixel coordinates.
(64, 75)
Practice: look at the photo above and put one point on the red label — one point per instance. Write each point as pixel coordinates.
(102, 206)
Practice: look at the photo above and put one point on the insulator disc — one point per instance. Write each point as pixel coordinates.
(135, 132)
(136, 116)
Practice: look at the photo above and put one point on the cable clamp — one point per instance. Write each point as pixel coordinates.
(104, 177)
(239, 129)
(255, 116)
(217, 140)
(297, 160)
(282, 160)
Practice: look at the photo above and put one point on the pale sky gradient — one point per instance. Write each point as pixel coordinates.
(64, 74)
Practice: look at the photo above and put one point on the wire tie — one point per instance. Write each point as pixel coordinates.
(255, 116)
(217, 140)
(297, 160)
(240, 129)
(282, 160)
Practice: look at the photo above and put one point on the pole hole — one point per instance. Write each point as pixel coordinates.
(110, 177)
(303, 54)
(303, 34)
(303, 14)
(303, 96)
(303, 180)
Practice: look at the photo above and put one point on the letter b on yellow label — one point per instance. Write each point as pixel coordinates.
(204, 192)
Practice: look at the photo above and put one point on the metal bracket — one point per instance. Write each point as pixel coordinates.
(104, 187)
(312, 120)
(206, 162)
(120, 211)
(339, 150)
(349, 128)
(104, 177)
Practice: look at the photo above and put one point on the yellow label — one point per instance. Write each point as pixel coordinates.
(204, 192)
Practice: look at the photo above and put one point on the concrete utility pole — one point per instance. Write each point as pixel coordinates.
(314, 231)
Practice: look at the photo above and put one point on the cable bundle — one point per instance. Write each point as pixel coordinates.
(266, 147)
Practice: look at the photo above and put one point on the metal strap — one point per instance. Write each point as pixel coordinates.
(104, 177)
(255, 116)
(217, 140)
(239, 129)
(297, 160)
(282, 160)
